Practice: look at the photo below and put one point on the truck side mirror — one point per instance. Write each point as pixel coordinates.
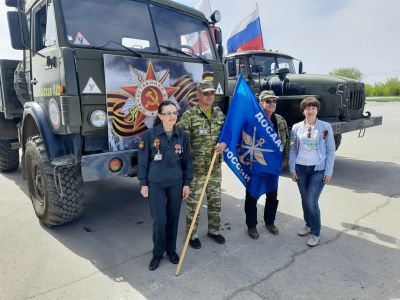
(18, 27)
(12, 3)
(231, 68)
(300, 67)
(218, 35)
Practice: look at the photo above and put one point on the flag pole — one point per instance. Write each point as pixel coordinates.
(196, 213)
(262, 36)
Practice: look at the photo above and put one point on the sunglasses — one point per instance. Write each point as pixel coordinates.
(270, 101)
(308, 132)
(170, 113)
(208, 93)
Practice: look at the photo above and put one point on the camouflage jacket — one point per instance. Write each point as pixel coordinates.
(203, 136)
(283, 133)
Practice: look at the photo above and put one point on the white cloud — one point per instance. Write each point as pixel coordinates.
(327, 34)
(324, 34)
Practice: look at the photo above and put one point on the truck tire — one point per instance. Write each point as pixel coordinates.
(56, 193)
(338, 139)
(20, 85)
(9, 158)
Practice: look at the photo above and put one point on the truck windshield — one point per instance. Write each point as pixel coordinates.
(107, 23)
(182, 32)
(270, 64)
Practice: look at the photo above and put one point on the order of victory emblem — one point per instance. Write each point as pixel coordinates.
(147, 94)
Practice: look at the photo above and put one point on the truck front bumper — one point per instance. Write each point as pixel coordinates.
(342, 127)
(96, 166)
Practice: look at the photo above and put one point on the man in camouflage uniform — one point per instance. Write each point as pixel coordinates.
(203, 123)
(268, 104)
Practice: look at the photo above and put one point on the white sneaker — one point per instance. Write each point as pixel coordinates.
(313, 241)
(305, 231)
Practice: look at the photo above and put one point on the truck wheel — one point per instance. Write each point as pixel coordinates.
(9, 158)
(56, 193)
(338, 139)
(20, 85)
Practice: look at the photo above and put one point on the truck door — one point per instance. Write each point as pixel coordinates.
(255, 71)
(240, 69)
(44, 61)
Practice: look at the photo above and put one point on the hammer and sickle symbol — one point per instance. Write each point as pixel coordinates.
(152, 94)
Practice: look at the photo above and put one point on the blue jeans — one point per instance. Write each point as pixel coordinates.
(310, 185)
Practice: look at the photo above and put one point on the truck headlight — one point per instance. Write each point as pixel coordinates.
(98, 118)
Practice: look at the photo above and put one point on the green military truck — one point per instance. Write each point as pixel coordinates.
(342, 99)
(92, 76)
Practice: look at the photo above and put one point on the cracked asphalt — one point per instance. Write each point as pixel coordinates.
(105, 254)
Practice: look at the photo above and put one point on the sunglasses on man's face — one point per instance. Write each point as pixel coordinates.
(269, 101)
(208, 93)
(170, 113)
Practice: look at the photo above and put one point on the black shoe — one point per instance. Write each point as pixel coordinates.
(195, 243)
(253, 233)
(154, 263)
(217, 237)
(273, 229)
(174, 258)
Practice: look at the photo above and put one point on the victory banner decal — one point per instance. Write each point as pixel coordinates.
(135, 87)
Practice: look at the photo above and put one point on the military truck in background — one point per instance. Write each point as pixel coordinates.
(342, 99)
(92, 76)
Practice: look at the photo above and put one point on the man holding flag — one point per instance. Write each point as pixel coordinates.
(255, 151)
(268, 103)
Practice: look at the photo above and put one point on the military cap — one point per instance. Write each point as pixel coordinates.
(267, 94)
(205, 86)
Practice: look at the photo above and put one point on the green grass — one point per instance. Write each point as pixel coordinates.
(384, 99)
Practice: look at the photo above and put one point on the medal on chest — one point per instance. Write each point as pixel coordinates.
(178, 149)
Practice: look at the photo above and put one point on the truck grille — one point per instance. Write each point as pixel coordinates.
(356, 99)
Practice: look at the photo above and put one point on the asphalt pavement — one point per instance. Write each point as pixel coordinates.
(105, 254)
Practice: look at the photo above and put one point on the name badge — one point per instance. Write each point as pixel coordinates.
(203, 131)
(158, 156)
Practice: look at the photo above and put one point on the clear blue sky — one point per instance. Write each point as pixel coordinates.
(324, 34)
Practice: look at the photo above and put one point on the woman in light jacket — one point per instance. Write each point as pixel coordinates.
(311, 159)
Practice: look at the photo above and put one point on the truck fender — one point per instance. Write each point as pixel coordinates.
(66, 147)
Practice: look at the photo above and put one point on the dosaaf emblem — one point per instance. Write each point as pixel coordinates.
(251, 151)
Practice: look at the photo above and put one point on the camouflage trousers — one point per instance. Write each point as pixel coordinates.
(213, 192)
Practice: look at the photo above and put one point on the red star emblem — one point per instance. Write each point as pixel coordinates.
(151, 93)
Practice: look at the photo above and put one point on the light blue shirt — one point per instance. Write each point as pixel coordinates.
(325, 147)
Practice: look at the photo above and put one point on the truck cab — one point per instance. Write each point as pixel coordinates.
(342, 99)
(92, 76)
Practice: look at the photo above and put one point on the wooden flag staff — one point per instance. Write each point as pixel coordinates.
(189, 234)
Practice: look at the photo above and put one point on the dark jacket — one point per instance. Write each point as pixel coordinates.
(176, 162)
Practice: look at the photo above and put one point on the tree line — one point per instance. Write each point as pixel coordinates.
(390, 88)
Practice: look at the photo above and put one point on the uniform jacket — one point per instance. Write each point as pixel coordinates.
(326, 147)
(283, 132)
(176, 162)
(203, 136)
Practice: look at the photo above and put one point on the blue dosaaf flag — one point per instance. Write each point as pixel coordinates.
(254, 151)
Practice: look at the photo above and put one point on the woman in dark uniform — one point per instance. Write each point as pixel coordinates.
(165, 173)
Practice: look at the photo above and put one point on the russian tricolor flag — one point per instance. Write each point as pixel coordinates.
(246, 35)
